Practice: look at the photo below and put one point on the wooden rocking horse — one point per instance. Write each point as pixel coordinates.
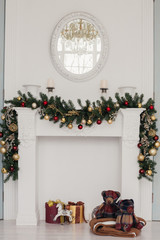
(63, 212)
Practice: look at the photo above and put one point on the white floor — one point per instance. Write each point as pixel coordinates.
(44, 231)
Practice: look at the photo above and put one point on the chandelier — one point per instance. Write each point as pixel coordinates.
(79, 29)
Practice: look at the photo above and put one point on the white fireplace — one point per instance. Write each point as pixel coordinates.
(124, 132)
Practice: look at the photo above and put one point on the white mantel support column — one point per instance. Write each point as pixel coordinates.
(27, 189)
(130, 185)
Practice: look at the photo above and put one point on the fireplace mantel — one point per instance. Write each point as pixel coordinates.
(126, 127)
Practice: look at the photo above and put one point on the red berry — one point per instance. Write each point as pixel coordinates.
(99, 121)
(156, 138)
(139, 145)
(15, 148)
(141, 171)
(80, 126)
(55, 118)
(11, 168)
(22, 104)
(151, 107)
(1, 134)
(45, 103)
(108, 109)
(126, 103)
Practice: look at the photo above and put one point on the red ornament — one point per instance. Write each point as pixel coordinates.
(151, 107)
(22, 104)
(141, 171)
(55, 118)
(45, 103)
(108, 109)
(1, 134)
(156, 138)
(139, 145)
(15, 148)
(80, 126)
(99, 121)
(11, 168)
(126, 103)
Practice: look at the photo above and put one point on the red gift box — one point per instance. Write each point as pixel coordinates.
(51, 212)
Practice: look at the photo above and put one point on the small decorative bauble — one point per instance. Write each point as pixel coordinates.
(149, 172)
(15, 148)
(139, 145)
(139, 105)
(108, 109)
(110, 121)
(2, 143)
(34, 105)
(90, 109)
(50, 203)
(22, 104)
(99, 121)
(12, 169)
(55, 118)
(70, 126)
(152, 133)
(15, 157)
(89, 122)
(13, 127)
(80, 126)
(117, 105)
(156, 138)
(3, 117)
(141, 157)
(1, 134)
(19, 98)
(3, 170)
(157, 144)
(3, 150)
(153, 118)
(45, 103)
(151, 107)
(46, 117)
(126, 103)
(152, 151)
(83, 121)
(142, 171)
(63, 120)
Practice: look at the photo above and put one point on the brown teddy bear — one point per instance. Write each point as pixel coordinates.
(108, 208)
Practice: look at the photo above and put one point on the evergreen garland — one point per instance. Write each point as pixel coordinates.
(57, 110)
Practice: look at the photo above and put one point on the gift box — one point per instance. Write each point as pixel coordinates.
(51, 212)
(77, 211)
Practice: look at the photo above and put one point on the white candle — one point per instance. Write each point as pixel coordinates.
(103, 84)
(50, 83)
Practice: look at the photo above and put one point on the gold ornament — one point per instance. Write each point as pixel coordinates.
(109, 121)
(141, 157)
(3, 117)
(117, 105)
(153, 118)
(89, 122)
(90, 109)
(63, 120)
(15, 157)
(19, 98)
(34, 105)
(152, 133)
(50, 203)
(2, 143)
(3, 150)
(3, 170)
(149, 172)
(152, 151)
(83, 121)
(13, 127)
(157, 144)
(139, 105)
(70, 126)
(46, 117)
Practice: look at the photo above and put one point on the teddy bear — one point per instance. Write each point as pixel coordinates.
(126, 217)
(108, 208)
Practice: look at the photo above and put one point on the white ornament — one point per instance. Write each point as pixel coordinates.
(34, 105)
(83, 121)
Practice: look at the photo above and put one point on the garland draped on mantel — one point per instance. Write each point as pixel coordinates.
(57, 110)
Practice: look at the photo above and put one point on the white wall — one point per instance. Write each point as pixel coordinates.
(29, 25)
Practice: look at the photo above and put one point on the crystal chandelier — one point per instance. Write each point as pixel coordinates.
(79, 29)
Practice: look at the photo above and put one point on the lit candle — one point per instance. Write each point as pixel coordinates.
(50, 83)
(103, 84)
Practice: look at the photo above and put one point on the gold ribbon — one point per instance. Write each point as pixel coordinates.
(71, 113)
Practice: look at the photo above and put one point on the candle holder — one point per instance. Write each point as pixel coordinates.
(104, 90)
(50, 89)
